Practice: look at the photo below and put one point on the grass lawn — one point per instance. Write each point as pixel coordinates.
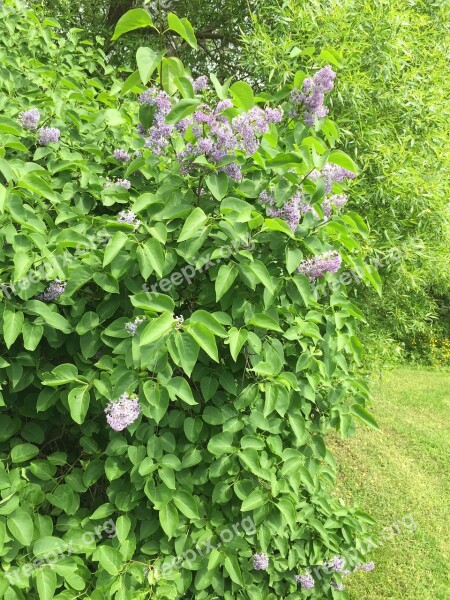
(403, 470)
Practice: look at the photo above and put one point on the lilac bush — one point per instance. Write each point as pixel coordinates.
(168, 361)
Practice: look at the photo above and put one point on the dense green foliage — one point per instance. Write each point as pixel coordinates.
(391, 102)
(239, 366)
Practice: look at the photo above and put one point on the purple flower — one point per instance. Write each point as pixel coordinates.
(132, 326)
(274, 115)
(290, 212)
(332, 173)
(336, 563)
(370, 566)
(338, 200)
(155, 97)
(260, 561)
(319, 265)
(30, 118)
(128, 217)
(141, 130)
(121, 155)
(122, 412)
(306, 580)
(54, 289)
(48, 135)
(200, 84)
(119, 182)
(223, 105)
(312, 95)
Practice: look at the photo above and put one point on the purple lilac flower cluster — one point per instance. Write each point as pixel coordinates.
(124, 183)
(319, 265)
(332, 173)
(200, 84)
(158, 136)
(260, 561)
(306, 580)
(54, 289)
(217, 138)
(122, 155)
(122, 412)
(336, 563)
(312, 95)
(290, 212)
(30, 118)
(48, 135)
(132, 326)
(370, 566)
(128, 217)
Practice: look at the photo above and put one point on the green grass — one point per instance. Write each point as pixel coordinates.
(402, 470)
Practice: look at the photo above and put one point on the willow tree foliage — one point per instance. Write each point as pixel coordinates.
(170, 361)
(392, 106)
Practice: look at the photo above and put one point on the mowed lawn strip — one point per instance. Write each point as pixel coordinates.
(403, 470)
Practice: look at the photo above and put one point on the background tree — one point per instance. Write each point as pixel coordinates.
(392, 107)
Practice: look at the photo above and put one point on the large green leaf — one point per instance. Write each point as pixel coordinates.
(133, 19)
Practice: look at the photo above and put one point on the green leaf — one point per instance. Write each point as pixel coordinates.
(168, 517)
(217, 184)
(255, 500)
(237, 339)
(3, 196)
(147, 61)
(265, 322)
(155, 255)
(183, 108)
(12, 326)
(24, 452)
(210, 321)
(225, 278)
(287, 509)
(157, 328)
(21, 527)
(32, 335)
(186, 504)
(242, 95)
(262, 274)
(183, 28)
(181, 389)
(205, 339)
(343, 160)
(133, 19)
(131, 82)
(46, 583)
(114, 246)
(188, 351)
(234, 570)
(123, 526)
(50, 317)
(9, 126)
(35, 184)
(365, 416)
(193, 224)
(78, 400)
(220, 444)
(109, 558)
